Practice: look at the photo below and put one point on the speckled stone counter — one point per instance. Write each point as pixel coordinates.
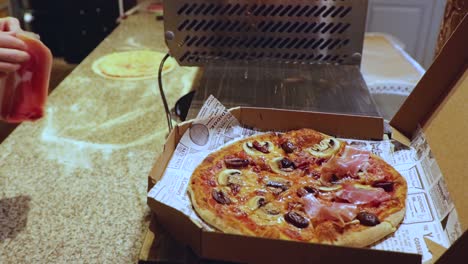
(73, 185)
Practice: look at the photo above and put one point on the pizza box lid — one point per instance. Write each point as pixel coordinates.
(439, 106)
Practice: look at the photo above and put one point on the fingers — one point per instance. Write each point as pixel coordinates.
(6, 67)
(11, 42)
(10, 24)
(13, 56)
(12, 49)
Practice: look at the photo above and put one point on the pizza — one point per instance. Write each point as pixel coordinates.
(300, 185)
(132, 65)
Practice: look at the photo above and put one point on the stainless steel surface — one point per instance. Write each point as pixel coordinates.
(304, 31)
(285, 86)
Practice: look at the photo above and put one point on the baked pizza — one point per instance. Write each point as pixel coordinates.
(301, 185)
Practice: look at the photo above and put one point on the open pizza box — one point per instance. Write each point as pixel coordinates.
(437, 109)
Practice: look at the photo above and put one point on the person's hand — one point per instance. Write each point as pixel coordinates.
(10, 24)
(12, 49)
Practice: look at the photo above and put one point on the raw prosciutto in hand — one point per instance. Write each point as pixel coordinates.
(23, 93)
(367, 195)
(340, 212)
(348, 164)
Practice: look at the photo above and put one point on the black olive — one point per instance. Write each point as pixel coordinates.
(387, 186)
(220, 197)
(235, 188)
(334, 178)
(261, 202)
(368, 219)
(286, 163)
(236, 163)
(296, 220)
(288, 147)
(306, 190)
(277, 185)
(262, 148)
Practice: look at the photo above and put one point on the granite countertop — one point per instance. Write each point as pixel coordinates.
(73, 185)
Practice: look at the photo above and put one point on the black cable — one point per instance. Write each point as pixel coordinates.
(161, 91)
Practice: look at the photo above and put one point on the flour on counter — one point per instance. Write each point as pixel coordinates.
(74, 153)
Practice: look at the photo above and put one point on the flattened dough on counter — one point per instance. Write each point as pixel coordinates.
(132, 65)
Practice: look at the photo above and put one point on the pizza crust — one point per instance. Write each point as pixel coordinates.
(396, 218)
(131, 65)
(372, 234)
(211, 219)
(366, 236)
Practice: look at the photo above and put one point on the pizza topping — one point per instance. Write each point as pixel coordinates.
(326, 148)
(278, 185)
(271, 209)
(329, 189)
(341, 212)
(220, 197)
(287, 165)
(229, 176)
(348, 164)
(360, 194)
(306, 190)
(236, 163)
(368, 219)
(281, 165)
(256, 202)
(296, 206)
(288, 147)
(235, 179)
(387, 186)
(263, 147)
(235, 188)
(296, 219)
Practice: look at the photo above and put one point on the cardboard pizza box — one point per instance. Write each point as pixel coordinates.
(438, 105)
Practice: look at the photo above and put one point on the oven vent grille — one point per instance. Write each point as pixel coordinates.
(299, 31)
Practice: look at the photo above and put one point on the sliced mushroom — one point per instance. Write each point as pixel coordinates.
(258, 147)
(325, 148)
(256, 202)
(282, 165)
(224, 177)
(236, 180)
(352, 222)
(271, 209)
(329, 189)
(268, 214)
